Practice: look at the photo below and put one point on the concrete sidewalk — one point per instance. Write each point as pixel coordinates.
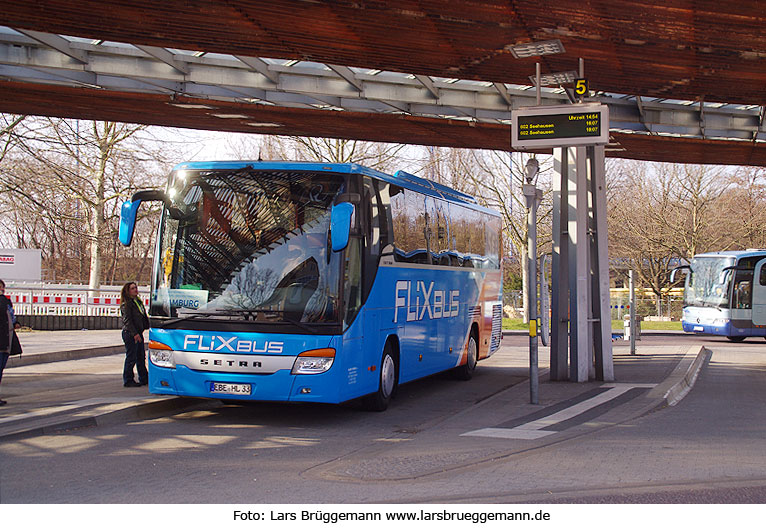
(50, 346)
(84, 388)
(72, 379)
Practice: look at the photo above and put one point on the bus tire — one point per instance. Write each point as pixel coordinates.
(388, 379)
(465, 372)
(736, 339)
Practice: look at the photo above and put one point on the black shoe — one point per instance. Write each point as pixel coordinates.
(131, 383)
(143, 383)
(2, 402)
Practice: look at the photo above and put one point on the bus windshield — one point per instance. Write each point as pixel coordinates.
(708, 284)
(249, 245)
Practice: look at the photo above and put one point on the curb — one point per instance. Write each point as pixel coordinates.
(68, 355)
(682, 379)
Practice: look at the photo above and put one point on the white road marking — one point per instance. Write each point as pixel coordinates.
(535, 429)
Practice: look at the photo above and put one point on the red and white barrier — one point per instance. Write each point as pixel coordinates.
(103, 300)
(29, 303)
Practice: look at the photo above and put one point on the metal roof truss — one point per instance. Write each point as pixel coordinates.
(34, 57)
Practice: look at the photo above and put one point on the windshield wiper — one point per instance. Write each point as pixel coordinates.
(252, 313)
(297, 323)
(249, 314)
(202, 314)
(283, 314)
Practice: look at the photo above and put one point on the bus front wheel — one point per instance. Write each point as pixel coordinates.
(736, 339)
(387, 381)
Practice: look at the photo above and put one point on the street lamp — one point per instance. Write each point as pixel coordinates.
(533, 166)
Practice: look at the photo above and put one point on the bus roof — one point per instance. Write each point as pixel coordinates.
(400, 178)
(734, 253)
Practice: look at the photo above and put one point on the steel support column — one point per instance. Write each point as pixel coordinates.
(559, 264)
(602, 321)
(580, 271)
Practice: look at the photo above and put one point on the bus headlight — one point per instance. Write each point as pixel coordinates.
(314, 361)
(161, 355)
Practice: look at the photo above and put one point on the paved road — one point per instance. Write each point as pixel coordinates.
(708, 448)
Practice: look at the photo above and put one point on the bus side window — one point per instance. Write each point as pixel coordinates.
(383, 210)
(763, 276)
(409, 225)
(352, 280)
(744, 294)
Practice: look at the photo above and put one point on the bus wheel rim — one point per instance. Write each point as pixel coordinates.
(472, 350)
(387, 376)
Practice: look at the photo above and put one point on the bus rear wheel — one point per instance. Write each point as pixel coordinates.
(387, 381)
(736, 339)
(465, 372)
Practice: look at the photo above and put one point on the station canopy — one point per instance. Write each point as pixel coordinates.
(685, 80)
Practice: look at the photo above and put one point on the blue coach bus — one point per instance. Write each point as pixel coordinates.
(295, 281)
(725, 294)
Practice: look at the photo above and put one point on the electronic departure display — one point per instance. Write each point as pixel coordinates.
(560, 126)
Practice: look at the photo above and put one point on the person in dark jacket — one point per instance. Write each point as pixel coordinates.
(7, 325)
(134, 322)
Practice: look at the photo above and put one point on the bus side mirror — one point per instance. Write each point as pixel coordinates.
(675, 272)
(129, 212)
(340, 225)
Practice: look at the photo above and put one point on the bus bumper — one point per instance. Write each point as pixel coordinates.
(726, 329)
(279, 386)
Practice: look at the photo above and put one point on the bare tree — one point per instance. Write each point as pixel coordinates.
(741, 210)
(694, 219)
(8, 123)
(640, 206)
(380, 156)
(67, 179)
(660, 212)
(498, 184)
(8, 213)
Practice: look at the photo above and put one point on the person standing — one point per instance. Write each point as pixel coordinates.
(7, 326)
(134, 322)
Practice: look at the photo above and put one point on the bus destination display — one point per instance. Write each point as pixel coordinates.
(554, 127)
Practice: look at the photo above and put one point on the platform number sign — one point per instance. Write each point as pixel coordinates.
(581, 87)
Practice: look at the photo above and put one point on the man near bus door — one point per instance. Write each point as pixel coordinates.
(134, 322)
(7, 326)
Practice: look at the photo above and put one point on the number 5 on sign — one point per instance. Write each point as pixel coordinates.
(581, 87)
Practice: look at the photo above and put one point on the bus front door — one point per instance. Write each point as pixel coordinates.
(759, 294)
